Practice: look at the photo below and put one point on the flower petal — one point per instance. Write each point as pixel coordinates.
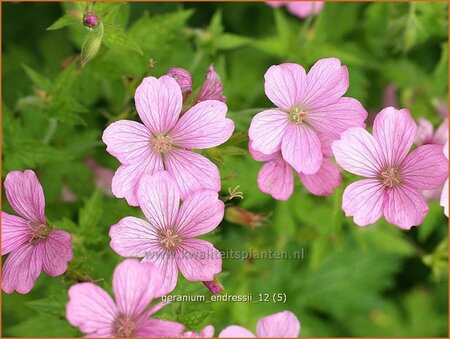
(425, 168)
(327, 81)
(441, 134)
(125, 182)
(303, 9)
(212, 88)
(405, 207)
(324, 181)
(25, 195)
(444, 198)
(234, 331)
(128, 141)
(358, 152)
(203, 126)
(363, 200)
(267, 130)
(335, 118)
(325, 143)
(192, 171)
(395, 131)
(279, 325)
(424, 133)
(258, 156)
(165, 263)
(275, 178)
(58, 252)
(198, 260)
(183, 78)
(132, 237)
(159, 102)
(21, 269)
(301, 149)
(15, 232)
(159, 199)
(285, 85)
(156, 328)
(91, 309)
(200, 213)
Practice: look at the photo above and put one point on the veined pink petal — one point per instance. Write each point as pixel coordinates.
(126, 179)
(303, 9)
(198, 260)
(91, 309)
(21, 269)
(234, 331)
(267, 129)
(25, 195)
(285, 85)
(390, 96)
(432, 195)
(192, 171)
(207, 331)
(441, 135)
(363, 200)
(279, 325)
(425, 168)
(15, 232)
(156, 328)
(165, 263)
(301, 149)
(212, 88)
(132, 237)
(258, 156)
(324, 181)
(327, 81)
(159, 102)
(335, 118)
(358, 152)
(404, 206)
(183, 78)
(444, 198)
(134, 284)
(424, 133)
(128, 141)
(325, 143)
(57, 252)
(395, 131)
(200, 213)
(203, 126)
(159, 199)
(276, 178)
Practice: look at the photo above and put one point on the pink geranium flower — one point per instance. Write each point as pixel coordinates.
(32, 243)
(207, 332)
(426, 134)
(308, 105)
(279, 325)
(444, 196)
(301, 9)
(168, 237)
(135, 285)
(394, 177)
(165, 140)
(103, 176)
(276, 176)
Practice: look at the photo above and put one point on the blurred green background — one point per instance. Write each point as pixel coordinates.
(352, 281)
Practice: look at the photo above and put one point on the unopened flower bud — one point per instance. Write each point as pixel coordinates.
(240, 216)
(183, 78)
(214, 286)
(212, 88)
(90, 20)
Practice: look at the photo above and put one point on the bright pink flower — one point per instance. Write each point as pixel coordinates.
(32, 243)
(308, 105)
(168, 237)
(395, 178)
(426, 135)
(135, 285)
(166, 140)
(207, 332)
(103, 176)
(279, 325)
(214, 285)
(444, 196)
(301, 9)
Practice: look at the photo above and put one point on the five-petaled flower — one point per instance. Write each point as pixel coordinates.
(32, 243)
(165, 140)
(308, 105)
(168, 237)
(135, 285)
(394, 177)
(279, 325)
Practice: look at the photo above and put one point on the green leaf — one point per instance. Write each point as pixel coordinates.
(115, 37)
(38, 80)
(89, 219)
(64, 21)
(196, 320)
(54, 305)
(228, 41)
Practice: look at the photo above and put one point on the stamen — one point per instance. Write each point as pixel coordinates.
(124, 327)
(162, 143)
(40, 231)
(391, 177)
(169, 239)
(297, 115)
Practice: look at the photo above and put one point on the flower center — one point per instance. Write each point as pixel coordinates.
(40, 231)
(162, 143)
(124, 327)
(169, 239)
(297, 115)
(391, 177)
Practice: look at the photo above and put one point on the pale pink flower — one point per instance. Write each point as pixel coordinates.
(276, 176)
(183, 78)
(166, 140)
(394, 177)
(301, 9)
(444, 196)
(442, 109)
(103, 176)
(426, 134)
(207, 332)
(67, 195)
(279, 325)
(168, 238)
(135, 285)
(308, 105)
(32, 243)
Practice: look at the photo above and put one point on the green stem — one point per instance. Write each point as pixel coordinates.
(51, 130)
